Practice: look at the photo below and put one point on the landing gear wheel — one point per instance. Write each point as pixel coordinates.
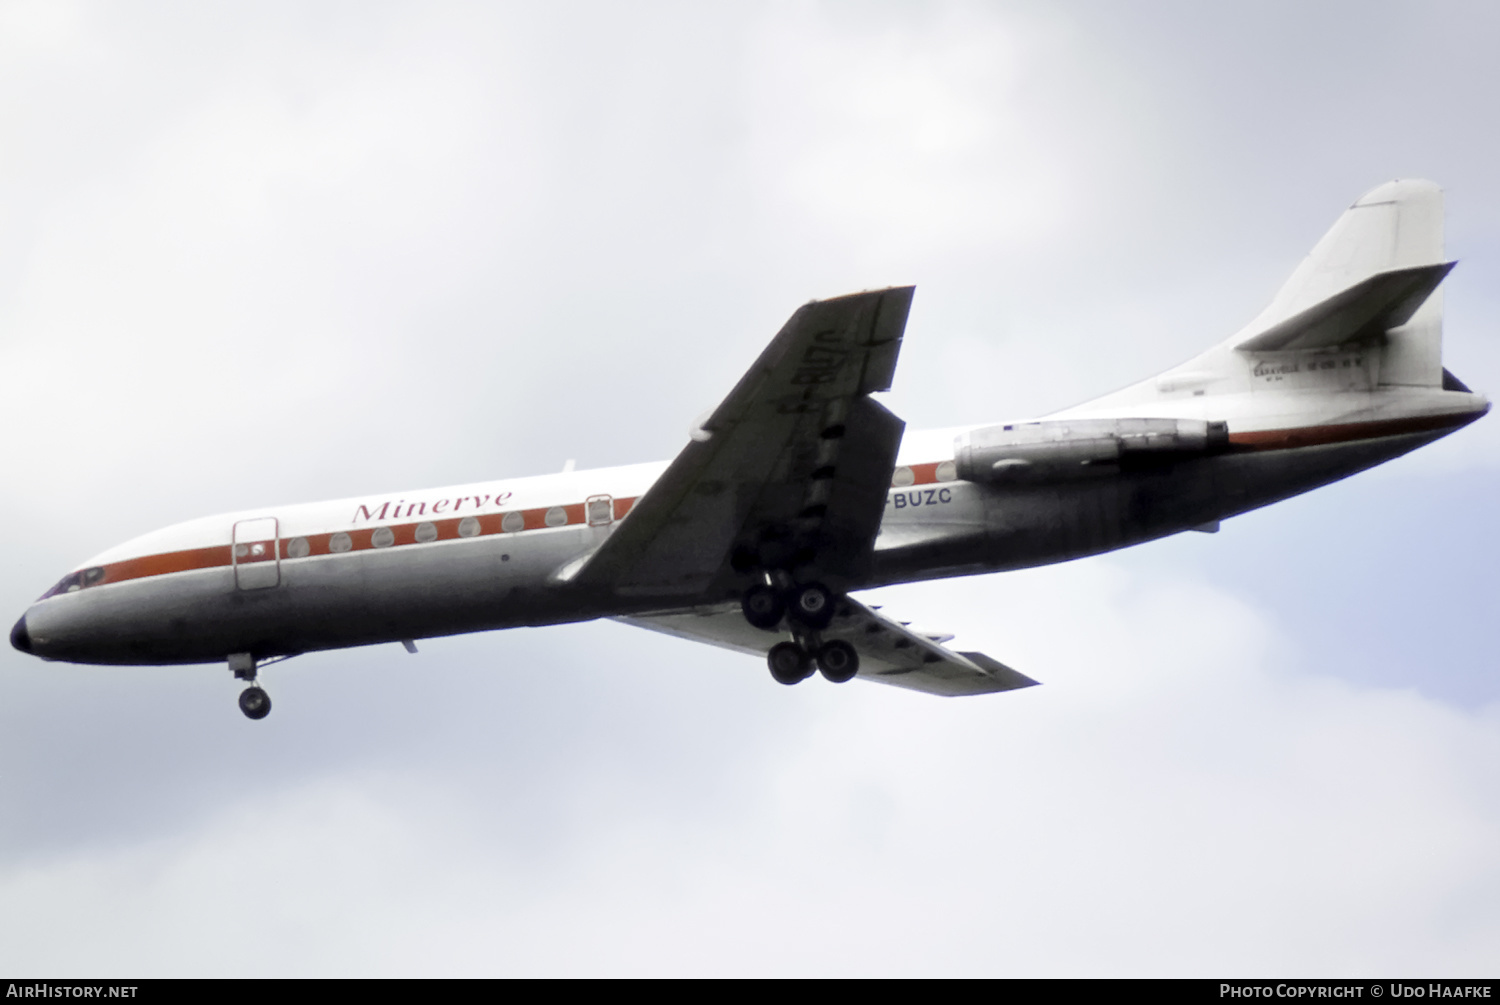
(763, 607)
(789, 663)
(811, 605)
(838, 661)
(254, 702)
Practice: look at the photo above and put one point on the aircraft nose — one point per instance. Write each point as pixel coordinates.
(20, 637)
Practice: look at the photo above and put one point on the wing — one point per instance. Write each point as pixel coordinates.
(889, 652)
(790, 472)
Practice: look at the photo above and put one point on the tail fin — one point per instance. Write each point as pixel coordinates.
(1378, 267)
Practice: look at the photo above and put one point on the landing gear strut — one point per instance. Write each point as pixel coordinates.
(254, 701)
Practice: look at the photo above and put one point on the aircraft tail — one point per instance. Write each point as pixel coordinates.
(1362, 312)
(1373, 278)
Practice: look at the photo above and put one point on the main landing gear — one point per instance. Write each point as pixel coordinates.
(254, 701)
(764, 607)
(810, 608)
(793, 662)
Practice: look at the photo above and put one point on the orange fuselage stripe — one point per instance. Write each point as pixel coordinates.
(536, 519)
(1317, 436)
(360, 539)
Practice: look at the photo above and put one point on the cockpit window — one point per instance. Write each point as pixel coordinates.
(70, 583)
(75, 581)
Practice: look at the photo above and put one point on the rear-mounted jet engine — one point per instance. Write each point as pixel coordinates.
(1077, 448)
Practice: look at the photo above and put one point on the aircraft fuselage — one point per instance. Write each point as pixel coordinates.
(494, 555)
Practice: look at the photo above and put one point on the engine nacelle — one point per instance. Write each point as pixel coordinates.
(1075, 448)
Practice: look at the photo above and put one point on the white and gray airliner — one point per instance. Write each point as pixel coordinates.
(801, 489)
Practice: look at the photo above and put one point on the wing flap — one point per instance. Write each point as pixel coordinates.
(856, 495)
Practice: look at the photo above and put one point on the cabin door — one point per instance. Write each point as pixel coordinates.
(254, 552)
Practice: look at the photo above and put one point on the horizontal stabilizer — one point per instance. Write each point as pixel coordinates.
(1361, 313)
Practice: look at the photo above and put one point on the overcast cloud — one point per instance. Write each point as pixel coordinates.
(262, 256)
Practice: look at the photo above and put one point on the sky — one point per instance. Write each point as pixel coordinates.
(253, 255)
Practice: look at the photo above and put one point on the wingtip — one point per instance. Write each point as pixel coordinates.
(909, 290)
(1002, 675)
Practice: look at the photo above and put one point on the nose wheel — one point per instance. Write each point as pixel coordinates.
(254, 702)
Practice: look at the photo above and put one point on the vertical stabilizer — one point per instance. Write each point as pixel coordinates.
(1397, 226)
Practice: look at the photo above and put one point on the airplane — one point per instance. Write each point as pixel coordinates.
(801, 489)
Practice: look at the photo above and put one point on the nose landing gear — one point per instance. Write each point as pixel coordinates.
(254, 701)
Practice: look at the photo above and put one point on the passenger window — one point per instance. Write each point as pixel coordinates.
(513, 522)
(468, 527)
(298, 547)
(557, 516)
(383, 537)
(903, 476)
(340, 543)
(426, 532)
